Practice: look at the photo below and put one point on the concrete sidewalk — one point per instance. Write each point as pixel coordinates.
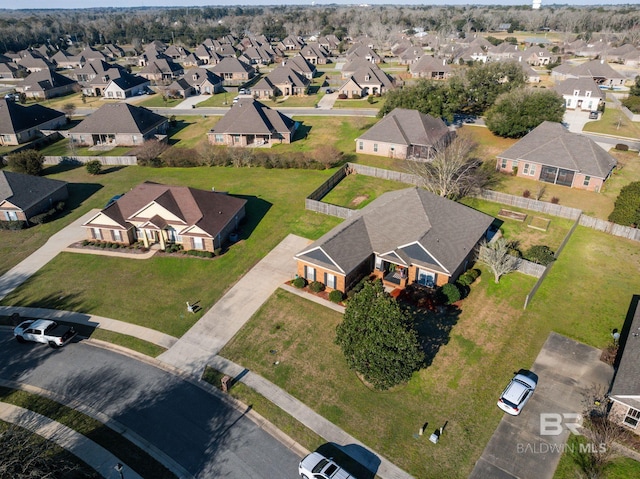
(59, 241)
(88, 451)
(198, 346)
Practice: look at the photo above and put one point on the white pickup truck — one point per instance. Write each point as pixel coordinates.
(44, 331)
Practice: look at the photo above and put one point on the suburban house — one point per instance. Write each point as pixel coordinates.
(119, 124)
(553, 154)
(537, 56)
(126, 86)
(601, 72)
(233, 71)
(580, 94)
(301, 65)
(20, 124)
(161, 69)
(197, 81)
(402, 237)
(625, 388)
(250, 123)
(315, 54)
(160, 214)
(291, 43)
(404, 134)
(431, 68)
(8, 69)
(369, 80)
(24, 196)
(45, 84)
(359, 50)
(64, 60)
(282, 80)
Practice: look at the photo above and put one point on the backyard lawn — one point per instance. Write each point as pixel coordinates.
(614, 122)
(357, 191)
(486, 338)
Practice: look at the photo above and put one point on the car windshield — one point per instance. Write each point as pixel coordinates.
(320, 466)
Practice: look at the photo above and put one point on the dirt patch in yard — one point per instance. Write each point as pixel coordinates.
(358, 199)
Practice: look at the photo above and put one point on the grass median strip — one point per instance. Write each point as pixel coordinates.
(129, 453)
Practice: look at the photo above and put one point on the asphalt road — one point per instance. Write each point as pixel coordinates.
(204, 435)
(219, 111)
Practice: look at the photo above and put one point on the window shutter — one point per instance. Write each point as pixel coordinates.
(325, 278)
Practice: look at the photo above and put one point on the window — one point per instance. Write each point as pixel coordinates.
(532, 170)
(587, 93)
(117, 235)
(361, 145)
(526, 169)
(198, 243)
(529, 169)
(586, 181)
(219, 138)
(375, 147)
(330, 280)
(632, 417)
(309, 273)
(576, 92)
(97, 233)
(11, 216)
(503, 165)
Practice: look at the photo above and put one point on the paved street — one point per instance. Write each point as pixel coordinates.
(201, 432)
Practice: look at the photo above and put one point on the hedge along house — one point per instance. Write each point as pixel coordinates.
(159, 214)
(24, 196)
(552, 154)
(403, 237)
(405, 134)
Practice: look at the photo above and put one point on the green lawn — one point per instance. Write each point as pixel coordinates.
(61, 148)
(614, 122)
(219, 99)
(191, 131)
(484, 339)
(360, 103)
(357, 191)
(158, 101)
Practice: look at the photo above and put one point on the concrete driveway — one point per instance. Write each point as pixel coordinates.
(567, 370)
(576, 119)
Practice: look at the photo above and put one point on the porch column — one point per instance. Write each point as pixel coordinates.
(162, 239)
(145, 240)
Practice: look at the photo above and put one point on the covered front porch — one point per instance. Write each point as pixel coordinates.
(395, 275)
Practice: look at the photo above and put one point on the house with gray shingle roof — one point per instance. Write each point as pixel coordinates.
(625, 388)
(281, 81)
(233, 71)
(125, 86)
(24, 196)
(301, 65)
(404, 134)
(251, 123)
(197, 81)
(601, 72)
(159, 69)
(119, 124)
(580, 94)
(369, 80)
(552, 154)
(160, 214)
(403, 237)
(46, 84)
(431, 68)
(20, 124)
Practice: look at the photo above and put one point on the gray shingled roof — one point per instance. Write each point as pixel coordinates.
(232, 65)
(45, 80)
(15, 118)
(407, 127)
(250, 117)
(411, 224)
(285, 74)
(552, 144)
(582, 84)
(120, 118)
(627, 379)
(24, 191)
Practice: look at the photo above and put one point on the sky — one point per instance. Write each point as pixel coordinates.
(13, 4)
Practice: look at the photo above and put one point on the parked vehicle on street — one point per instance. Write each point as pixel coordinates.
(518, 392)
(316, 466)
(44, 331)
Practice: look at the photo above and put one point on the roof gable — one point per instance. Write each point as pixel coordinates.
(120, 118)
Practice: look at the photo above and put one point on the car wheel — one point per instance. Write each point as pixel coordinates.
(303, 476)
(20, 339)
(53, 345)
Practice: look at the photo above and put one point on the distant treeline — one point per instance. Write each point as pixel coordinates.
(20, 29)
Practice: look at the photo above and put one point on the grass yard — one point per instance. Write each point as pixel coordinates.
(74, 98)
(85, 283)
(307, 101)
(191, 131)
(61, 148)
(614, 122)
(484, 339)
(157, 101)
(360, 103)
(219, 99)
(357, 191)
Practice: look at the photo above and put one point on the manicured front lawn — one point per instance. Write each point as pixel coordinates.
(158, 101)
(480, 346)
(614, 122)
(360, 103)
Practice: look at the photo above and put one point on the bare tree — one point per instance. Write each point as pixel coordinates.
(149, 151)
(452, 172)
(69, 109)
(496, 255)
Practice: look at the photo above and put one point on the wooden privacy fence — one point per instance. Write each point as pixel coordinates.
(81, 160)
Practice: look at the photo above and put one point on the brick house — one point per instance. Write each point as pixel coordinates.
(403, 237)
(160, 214)
(20, 124)
(552, 154)
(24, 196)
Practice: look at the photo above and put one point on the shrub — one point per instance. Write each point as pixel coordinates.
(355, 96)
(217, 251)
(299, 282)
(555, 200)
(526, 193)
(115, 246)
(94, 167)
(540, 254)
(464, 280)
(342, 96)
(370, 99)
(85, 242)
(450, 293)
(622, 147)
(12, 225)
(335, 296)
(474, 273)
(316, 286)
(626, 210)
(27, 161)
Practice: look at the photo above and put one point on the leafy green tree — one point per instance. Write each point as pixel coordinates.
(94, 167)
(634, 90)
(519, 111)
(540, 254)
(27, 161)
(626, 210)
(486, 81)
(377, 338)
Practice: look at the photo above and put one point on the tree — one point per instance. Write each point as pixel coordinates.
(519, 111)
(497, 257)
(452, 172)
(486, 81)
(94, 167)
(28, 161)
(626, 210)
(377, 338)
(69, 109)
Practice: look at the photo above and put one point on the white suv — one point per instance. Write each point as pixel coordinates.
(316, 466)
(518, 392)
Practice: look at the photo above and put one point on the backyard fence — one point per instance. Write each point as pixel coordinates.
(81, 160)
(530, 204)
(610, 228)
(384, 174)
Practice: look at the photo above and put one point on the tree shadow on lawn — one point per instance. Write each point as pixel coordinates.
(353, 458)
(431, 319)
